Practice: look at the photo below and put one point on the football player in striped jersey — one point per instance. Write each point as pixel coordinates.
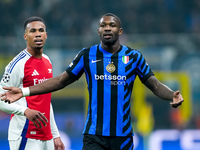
(110, 69)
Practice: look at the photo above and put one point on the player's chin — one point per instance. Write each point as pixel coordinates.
(108, 41)
(39, 46)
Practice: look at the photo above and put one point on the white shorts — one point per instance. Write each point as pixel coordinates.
(31, 144)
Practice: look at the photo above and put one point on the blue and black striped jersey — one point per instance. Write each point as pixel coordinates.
(110, 79)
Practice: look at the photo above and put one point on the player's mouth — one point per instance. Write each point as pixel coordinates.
(38, 42)
(107, 36)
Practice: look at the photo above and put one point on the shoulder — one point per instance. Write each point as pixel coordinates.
(87, 49)
(45, 56)
(91, 48)
(18, 61)
(84, 51)
(128, 50)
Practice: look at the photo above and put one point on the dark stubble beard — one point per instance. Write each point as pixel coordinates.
(109, 43)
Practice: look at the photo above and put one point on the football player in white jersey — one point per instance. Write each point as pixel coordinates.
(32, 125)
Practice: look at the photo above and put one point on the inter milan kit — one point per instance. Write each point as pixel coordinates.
(110, 79)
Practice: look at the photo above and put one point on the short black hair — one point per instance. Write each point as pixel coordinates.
(32, 19)
(113, 15)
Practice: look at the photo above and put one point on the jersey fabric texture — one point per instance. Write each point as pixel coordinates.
(110, 79)
(24, 71)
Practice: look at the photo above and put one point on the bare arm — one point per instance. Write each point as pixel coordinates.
(164, 92)
(53, 84)
(159, 89)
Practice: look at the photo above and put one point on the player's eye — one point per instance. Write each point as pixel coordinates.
(113, 25)
(41, 29)
(102, 25)
(32, 30)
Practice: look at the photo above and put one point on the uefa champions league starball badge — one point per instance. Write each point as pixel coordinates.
(110, 67)
(6, 77)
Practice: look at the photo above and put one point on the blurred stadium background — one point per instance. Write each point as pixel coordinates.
(167, 32)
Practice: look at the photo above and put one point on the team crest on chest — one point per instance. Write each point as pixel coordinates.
(110, 67)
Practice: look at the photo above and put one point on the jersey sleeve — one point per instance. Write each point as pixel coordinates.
(143, 69)
(12, 108)
(12, 77)
(54, 128)
(76, 67)
(13, 74)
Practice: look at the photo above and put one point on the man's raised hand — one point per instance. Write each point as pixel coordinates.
(177, 99)
(11, 95)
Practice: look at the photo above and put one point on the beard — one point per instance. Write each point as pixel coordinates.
(108, 42)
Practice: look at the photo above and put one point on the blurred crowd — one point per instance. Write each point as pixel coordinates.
(79, 17)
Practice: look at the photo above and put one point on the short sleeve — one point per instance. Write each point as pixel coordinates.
(143, 69)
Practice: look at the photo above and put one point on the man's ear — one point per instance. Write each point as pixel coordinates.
(98, 31)
(120, 31)
(25, 36)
